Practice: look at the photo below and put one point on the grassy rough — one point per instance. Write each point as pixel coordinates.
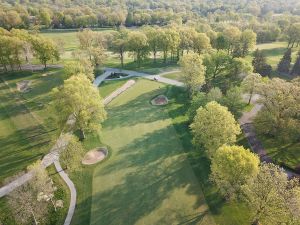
(26, 131)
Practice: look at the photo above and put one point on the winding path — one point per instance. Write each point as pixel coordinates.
(53, 156)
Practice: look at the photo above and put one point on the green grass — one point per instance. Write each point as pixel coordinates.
(146, 66)
(175, 76)
(148, 178)
(107, 87)
(287, 154)
(274, 52)
(154, 175)
(69, 38)
(26, 132)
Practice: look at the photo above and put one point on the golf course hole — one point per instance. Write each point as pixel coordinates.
(160, 100)
(94, 156)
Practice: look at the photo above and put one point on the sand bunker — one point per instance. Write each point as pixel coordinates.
(160, 100)
(24, 86)
(94, 156)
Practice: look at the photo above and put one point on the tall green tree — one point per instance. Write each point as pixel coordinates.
(79, 98)
(250, 84)
(119, 44)
(272, 198)
(280, 115)
(138, 45)
(260, 65)
(214, 126)
(44, 49)
(296, 68)
(193, 71)
(201, 43)
(153, 36)
(232, 167)
(73, 154)
(285, 62)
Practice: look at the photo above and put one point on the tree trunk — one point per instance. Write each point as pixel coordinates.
(154, 56)
(122, 59)
(250, 98)
(81, 135)
(45, 65)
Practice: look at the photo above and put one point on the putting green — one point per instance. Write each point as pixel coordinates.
(147, 179)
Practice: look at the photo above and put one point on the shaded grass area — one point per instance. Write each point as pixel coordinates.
(174, 76)
(107, 87)
(274, 52)
(148, 179)
(146, 66)
(225, 213)
(286, 154)
(26, 131)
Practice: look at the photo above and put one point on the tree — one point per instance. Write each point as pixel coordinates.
(41, 183)
(214, 126)
(293, 34)
(250, 84)
(93, 44)
(153, 36)
(223, 70)
(285, 62)
(201, 99)
(232, 167)
(232, 37)
(169, 42)
(193, 71)
(281, 104)
(29, 201)
(201, 43)
(246, 43)
(296, 69)
(78, 97)
(138, 44)
(81, 66)
(45, 18)
(44, 49)
(187, 37)
(216, 64)
(120, 44)
(24, 205)
(72, 155)
(272, 198)
(234, 101)
(260, 65)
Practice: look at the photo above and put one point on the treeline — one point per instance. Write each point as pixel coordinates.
(267, 18)
(171, 42)
(18, 46)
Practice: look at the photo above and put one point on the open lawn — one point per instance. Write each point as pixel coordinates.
(287, 154)
(147, 179)
(107, 87)
(274, 52)
(174, 76)
(153, 175)
(26, 132)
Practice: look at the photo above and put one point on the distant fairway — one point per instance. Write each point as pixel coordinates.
(147, 179)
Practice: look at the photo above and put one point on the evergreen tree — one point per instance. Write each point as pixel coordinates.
(296, 68)
(260, 65)
(285, 62)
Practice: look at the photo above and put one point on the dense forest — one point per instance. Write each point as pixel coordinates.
(270, 19)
